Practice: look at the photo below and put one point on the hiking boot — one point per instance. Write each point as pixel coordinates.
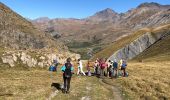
(63, 91)
(67, 92)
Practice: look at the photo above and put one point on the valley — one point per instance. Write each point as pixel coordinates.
(141, 36)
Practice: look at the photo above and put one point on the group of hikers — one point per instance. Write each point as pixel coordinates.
(101, 68)
(109, 68)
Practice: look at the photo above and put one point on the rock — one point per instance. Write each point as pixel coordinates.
(8, 60)
(42, 58)
(41, 64)
(37, 59)
(14, 57)
(136, 47)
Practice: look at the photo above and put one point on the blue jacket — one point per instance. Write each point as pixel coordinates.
(124, 65)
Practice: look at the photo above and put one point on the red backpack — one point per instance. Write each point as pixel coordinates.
(102, 66)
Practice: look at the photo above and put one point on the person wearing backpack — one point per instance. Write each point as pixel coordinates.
(88, 68)
(123, 68)
(103, 65)
(109, 67)
(67, 74)
(96, 64)
(55, 62)
(115, 68)
(52, 68)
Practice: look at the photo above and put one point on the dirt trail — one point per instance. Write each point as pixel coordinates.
(53, 94)
(88, 87)
(116, 91)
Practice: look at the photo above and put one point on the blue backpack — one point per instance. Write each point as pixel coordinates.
(115, 65)
(124, 65)
(52, 68)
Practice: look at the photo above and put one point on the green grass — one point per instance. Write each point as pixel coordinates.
(79, 44)
(82, 48)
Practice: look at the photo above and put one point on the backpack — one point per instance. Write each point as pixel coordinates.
(103, 65)
(115, 65)
(67, 72)
(52, 68)
(124, 65)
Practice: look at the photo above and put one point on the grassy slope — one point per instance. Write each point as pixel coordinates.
(147, 81)
(28, 84)
(109, 50)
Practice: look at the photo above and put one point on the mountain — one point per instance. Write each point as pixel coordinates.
(159, 51)
(18, 33)
(104, 15)
(142, 44)
(151, 5)
(42, 19)
(106, 26)
(71, 28)
(23, 45)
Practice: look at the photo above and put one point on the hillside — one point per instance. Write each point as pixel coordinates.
(18, 33)
(104, 27)
(135, 43)
(160, 51)
(22, 45)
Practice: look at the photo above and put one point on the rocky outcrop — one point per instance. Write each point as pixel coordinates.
(137, 46)
(34, 59)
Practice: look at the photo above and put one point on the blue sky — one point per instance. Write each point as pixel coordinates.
(71, 8)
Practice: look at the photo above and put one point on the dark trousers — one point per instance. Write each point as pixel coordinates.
(66, 83)
(124, 71)
(101, 72)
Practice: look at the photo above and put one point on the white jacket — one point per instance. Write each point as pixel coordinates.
(80, 64)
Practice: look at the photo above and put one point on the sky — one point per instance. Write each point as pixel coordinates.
(33, 9)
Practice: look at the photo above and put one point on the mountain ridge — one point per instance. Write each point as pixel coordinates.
(100, 30)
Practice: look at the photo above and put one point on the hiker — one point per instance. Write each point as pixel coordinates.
(88, 68)
(52, 68)
(123, 68)
(120, 63)
(109, 67)
(115, 68)
(80, 68)
(102, 65)
(55, 62)
(96, 67)
(67, 74)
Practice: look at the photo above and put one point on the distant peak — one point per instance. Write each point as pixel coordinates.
(40, 19)
(43, 18)
(149, 4)
(107, 11)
